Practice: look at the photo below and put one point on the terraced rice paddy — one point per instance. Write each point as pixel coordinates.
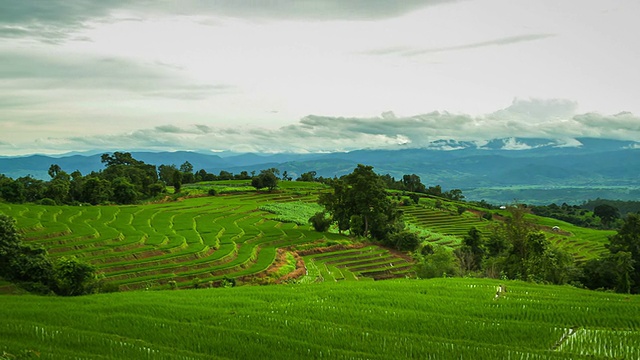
(365, 263)
(582, 243)
(196, 241)
(396, 319)
(192, 241)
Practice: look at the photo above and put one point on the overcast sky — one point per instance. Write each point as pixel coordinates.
(316, 75)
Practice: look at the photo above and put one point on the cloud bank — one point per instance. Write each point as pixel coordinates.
(525, 118)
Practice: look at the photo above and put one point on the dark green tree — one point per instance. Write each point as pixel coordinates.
(360, 200)
(187, 173)
(186, 167)
(119, 158)
(412, 183)
(96, 191)
(177, 181)
(34, 189)
(309, 176)
(225, 175)
(607, 214)
(472, 251)
(76, 186)
(165, 173)
(404, 240)
(54, 169)
(12, 190)
(628, 240)
(21, 263)
(320, 221)
(266, 179)
(124, 192)
(74, 277)
(9, 243)
(440, 262)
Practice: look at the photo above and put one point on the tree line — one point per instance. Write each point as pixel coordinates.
(124, 180)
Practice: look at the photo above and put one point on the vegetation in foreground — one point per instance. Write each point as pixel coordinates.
(395, 319)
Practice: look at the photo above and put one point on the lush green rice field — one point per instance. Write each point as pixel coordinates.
(394, 319)
(237, 234)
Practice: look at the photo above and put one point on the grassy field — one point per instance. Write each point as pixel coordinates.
(394, 319)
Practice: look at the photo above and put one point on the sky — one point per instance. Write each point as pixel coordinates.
(315, 75)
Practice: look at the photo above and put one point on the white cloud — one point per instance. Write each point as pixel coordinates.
(314, 133)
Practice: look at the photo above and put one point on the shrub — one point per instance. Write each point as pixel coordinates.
(404, 240)
(47, 202)
(320, 221)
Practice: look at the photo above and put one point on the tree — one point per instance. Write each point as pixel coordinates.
(472, 251)
(187, 173)
(75, 186)
(11, 191)
(606, 213)
(21, 263)
(320, 221)
(177, 181)
(628, 240)
(454, 194)
(412, 183)
(165, 173)
(309, 176)
(360, 200)
(439, 263)
(34, 189)
(58, 190)
(225, 175)
(96, 191)
(186, 167)
(404, 240)
(123, 191)
(119, 158)
(74, 277)
(9, 243)
(267, 178)
(54, 169)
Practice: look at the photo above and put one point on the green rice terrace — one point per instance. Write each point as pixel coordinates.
(327, 303)
(250, 236)
(450, 318)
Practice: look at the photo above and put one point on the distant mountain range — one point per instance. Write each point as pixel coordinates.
(497, 170)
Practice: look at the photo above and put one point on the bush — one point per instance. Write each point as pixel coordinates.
(320, 221)
(440, 263)
(47, 202)
(404, 240)
(212, 192)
